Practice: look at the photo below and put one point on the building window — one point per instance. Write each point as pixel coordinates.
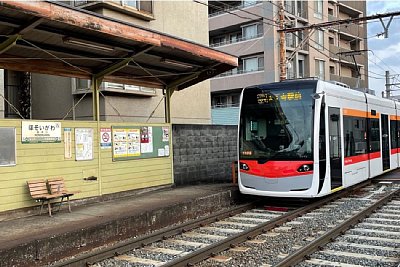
(289, 6)
(219, 40)
(290, 40)
(250, 64)
(253, 64)
(301, 12)
(331, 69)
(141, 5)
(320, 69)
(318, 7)
(223, 101)
(319, 40)
(252, 31)
(301, 68)
(220, 101)
(235, 37)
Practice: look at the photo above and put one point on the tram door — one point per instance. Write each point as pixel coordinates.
(385, 142)
(335, 151)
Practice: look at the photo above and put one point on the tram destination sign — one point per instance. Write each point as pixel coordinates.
(268, 97)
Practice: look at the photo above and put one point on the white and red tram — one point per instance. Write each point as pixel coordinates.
(309, 138)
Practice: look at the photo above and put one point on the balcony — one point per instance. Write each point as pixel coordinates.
(332, 18)
(352, 8)
(246, 47)
(226, 8)
(226, 20)
(238, 40)
(241, 80)
(350, 81)
(349, 32)
(334, 50)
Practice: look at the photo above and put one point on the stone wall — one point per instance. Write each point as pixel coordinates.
(203, 153)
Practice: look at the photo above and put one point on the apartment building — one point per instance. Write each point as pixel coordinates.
(39, 96)
(248, 29)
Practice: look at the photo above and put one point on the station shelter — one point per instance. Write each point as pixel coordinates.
(96, 157)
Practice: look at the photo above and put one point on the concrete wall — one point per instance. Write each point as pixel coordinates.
(203, 153)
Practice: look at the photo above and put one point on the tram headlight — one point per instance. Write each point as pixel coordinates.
(305, 168)
(244, 166)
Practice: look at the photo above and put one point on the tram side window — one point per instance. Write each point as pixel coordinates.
(394, 134)
(374, 134)
(355, 142)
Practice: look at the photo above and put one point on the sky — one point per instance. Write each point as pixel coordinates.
(384, 53)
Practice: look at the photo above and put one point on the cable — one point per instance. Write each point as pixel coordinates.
(109, 102)
(47, 52)
(154, 110)
(12, 106)
(74, 106)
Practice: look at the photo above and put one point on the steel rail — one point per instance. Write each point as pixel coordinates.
(315, 245)
(213, 249)
(133, 243)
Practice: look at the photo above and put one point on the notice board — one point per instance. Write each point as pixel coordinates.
(140, 142)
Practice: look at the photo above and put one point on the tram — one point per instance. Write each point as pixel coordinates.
(310, 138)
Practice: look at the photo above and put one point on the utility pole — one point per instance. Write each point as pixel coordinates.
(282, 48)
(387, 85)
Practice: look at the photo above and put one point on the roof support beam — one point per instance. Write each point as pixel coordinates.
(175, 84)
(121, 64)
(167, 103)
(98, 78)
(28, 27)
(170, 89)
(95, 85)
(10, 42)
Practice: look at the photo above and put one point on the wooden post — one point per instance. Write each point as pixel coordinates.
(234, 174)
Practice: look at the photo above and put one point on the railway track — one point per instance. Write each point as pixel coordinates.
(246, 236)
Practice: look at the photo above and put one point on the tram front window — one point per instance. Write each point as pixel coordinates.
(276, 124)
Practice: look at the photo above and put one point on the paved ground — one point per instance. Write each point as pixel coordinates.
(34, 240)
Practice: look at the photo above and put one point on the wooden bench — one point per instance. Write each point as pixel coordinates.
(38, 191)
(57, 186)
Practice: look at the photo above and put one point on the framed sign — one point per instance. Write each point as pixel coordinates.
(83, 143)
(139, 142)
(41, 132)
(7, 146)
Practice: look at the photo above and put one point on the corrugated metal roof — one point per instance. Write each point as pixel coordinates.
(60, 40)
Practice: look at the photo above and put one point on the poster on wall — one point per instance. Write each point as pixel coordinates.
(105, 138)
(120, 149)
(40, 132)
(146, 139)
(84, 143)
(133, 142)
(139, 142)
(67, 143)
(165, 134)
